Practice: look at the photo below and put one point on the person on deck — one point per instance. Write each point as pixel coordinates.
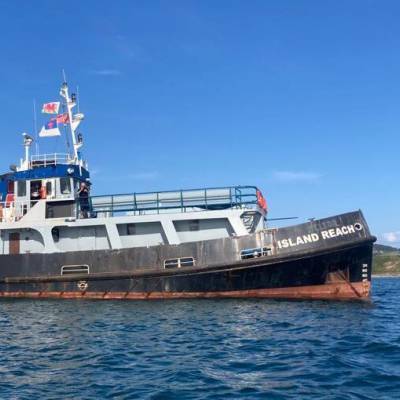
(83, 194)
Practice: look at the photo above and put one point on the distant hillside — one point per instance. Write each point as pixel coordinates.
(386, 260)
(381, 248)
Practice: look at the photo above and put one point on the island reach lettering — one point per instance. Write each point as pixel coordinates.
(315, 237)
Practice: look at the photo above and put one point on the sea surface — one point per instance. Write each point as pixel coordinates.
(202, 349)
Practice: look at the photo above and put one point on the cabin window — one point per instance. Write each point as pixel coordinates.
(255, 253)
(131, 229)
(21, 188)
(49, 188)
(179, 262)
(65, 186)
(194, 225)
(60, 209)
(74, 269)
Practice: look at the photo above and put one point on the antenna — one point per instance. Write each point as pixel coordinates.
(279, 219)
(77, 98)
(35, 127)
(64, 76)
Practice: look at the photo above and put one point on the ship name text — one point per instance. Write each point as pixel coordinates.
(323, 235)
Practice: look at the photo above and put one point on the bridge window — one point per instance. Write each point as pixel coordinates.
(10, 187)
(35, 190)
(179, 262)
(65, 185)
(21, 188)
(255, 253)
(49, 188)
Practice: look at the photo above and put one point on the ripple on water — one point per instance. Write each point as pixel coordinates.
(203, 349)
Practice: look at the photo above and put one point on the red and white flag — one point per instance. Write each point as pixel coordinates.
(51, 108)
(62, 118)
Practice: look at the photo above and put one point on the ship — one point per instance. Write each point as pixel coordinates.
(57, 240)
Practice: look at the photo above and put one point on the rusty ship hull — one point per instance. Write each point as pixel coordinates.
(329, 258)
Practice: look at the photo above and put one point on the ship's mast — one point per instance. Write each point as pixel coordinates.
(74, 120)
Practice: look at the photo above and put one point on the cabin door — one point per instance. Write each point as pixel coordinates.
(14, 243)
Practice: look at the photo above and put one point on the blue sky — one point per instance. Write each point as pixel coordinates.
(298, 97)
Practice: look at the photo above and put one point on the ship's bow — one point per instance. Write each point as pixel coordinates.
(341, 247)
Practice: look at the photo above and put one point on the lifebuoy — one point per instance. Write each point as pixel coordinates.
(9, 199)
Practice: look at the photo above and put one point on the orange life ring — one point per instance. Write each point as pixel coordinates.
(9, 199)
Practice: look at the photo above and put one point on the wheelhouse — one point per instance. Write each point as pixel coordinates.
(55, 183)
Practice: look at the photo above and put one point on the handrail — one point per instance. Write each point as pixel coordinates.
(12, 211)
(203, 199)
(50, 159)
(217, 198)
(49, 155)
(255, 188)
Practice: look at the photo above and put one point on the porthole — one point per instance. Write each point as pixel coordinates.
(255, 252)
(74, 269)
(179, 262)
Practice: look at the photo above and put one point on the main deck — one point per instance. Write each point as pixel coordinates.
(59, 195)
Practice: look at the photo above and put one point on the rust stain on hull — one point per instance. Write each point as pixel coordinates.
(328, 291)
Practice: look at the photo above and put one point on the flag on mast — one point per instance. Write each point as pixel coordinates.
(62, 118)
(50, 129)
(51, 108)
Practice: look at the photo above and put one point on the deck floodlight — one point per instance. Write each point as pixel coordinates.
(28, 140)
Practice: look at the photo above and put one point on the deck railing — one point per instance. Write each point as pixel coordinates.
(177, 201)
(12, 211)
(43, 160)
(148, 203)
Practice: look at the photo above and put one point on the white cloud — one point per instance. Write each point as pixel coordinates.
(391, 237)
(296, 176)
(106, 72)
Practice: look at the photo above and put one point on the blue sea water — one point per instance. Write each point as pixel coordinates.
(202, 349)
